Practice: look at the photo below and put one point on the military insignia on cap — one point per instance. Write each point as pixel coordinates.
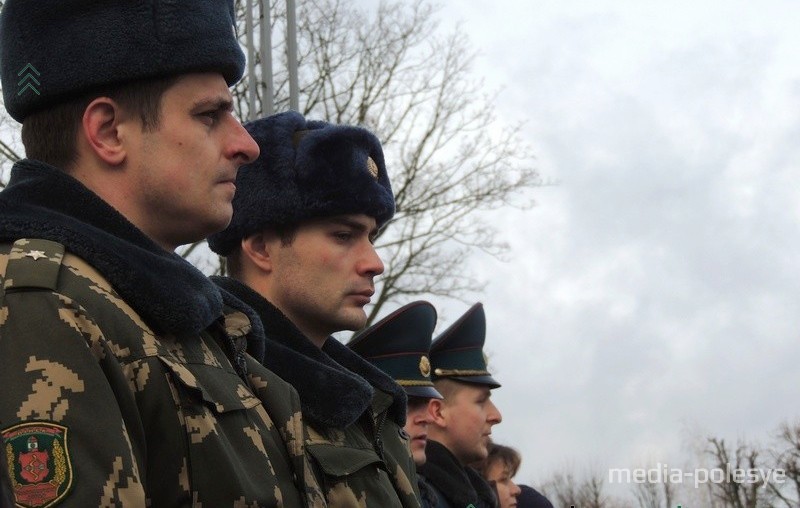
(372, 168)
(425, 366)
(38, 462)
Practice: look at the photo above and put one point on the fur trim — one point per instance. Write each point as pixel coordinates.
(169, 294)
(80, 45)
(330, 395)
(345, 357)
(306, 170)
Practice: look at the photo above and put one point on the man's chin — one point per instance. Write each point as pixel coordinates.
(353, 320)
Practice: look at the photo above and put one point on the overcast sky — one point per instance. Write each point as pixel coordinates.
(652, 295)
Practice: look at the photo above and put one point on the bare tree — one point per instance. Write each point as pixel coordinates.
(732, 492)
(566, 490)
(563, 489)
(654, 494)
(394, 71)
(786, 457)
(591, 492)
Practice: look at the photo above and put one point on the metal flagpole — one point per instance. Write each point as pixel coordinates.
(291, 49)
(267, 86)
(251, 61)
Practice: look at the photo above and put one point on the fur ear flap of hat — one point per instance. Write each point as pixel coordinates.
(306, 170)
(54, 50)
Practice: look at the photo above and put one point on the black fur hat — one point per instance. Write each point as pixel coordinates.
(307, 169)
(53, 50)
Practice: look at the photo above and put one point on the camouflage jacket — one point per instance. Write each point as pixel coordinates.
(354, 413)
(124, 382)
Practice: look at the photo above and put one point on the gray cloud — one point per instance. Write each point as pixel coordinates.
(655, 288)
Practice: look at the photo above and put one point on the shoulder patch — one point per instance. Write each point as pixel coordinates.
(39, 464)
(33, 263)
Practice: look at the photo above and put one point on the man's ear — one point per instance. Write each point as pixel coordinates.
(258, 250)
(101, 129)
(437, 410)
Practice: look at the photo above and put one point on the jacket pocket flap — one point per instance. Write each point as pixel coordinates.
(340, 460)
(223, 390)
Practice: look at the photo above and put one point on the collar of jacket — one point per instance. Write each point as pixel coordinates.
(460, 485)
(335, 385)
(169, 294)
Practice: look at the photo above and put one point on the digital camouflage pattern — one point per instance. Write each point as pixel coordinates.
(360, 455)
(366, 465)
(97, 410)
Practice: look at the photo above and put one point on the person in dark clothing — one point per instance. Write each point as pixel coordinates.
(125, 381)
(399, 345)
(461, 423)
(299, 251)
(532, 498)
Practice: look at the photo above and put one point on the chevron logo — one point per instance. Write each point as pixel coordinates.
(29, 78)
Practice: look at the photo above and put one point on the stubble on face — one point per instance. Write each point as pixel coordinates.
(185, 167)
(317, 281)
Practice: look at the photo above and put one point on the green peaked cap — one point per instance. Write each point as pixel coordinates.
(457, 353)
(398, 345)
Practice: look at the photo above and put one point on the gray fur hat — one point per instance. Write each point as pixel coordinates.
(54, 50)
(307, 169)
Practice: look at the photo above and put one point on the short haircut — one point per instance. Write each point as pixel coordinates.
(505, 455)
(449, 388)
(50, 135)
(417, 402)
(233, 261)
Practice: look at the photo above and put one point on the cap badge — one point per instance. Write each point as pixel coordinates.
(372, 168)
(425, 366)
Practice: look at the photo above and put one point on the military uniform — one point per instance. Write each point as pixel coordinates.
(399, 345)
(124, 381)
(453, 484)
(353, 413)
(457, 354)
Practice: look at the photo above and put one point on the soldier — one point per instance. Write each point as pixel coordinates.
(461, 423)
(124, 378)
(299, 250)
(398, 345)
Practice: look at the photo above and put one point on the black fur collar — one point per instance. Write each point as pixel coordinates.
(460, 485)
(169, 294)
(335, 385)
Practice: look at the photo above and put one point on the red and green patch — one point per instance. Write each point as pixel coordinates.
(38, 463)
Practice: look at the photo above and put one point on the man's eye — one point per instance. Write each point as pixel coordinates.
(209, 117)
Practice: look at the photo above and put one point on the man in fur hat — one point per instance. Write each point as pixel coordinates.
(125, 381)
(299, 251)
